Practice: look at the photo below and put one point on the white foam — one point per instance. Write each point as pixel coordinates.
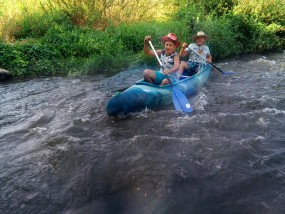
(200, 101)
(273, 111)
(261, 122)
(266, 98)
(258, 138)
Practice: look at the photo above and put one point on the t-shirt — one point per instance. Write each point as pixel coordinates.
(203, 50)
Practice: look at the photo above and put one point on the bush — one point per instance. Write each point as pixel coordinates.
(13, 60)
(252, 35)
(268, 11)
(47, 43)
(36, 25)
(30, 60)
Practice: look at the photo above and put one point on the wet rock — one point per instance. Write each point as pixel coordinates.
(5, 75)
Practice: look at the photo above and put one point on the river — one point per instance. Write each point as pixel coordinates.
(61, 153)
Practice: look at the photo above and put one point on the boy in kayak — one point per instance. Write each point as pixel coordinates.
(191, 67)
(169, 58)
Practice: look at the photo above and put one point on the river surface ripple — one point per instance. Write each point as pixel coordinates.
(61, 153)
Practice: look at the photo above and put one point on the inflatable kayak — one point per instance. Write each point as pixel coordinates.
(144, 95)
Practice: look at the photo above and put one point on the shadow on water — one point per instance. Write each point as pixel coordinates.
(61, 153)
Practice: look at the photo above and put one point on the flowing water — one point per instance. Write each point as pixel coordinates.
(61, 153)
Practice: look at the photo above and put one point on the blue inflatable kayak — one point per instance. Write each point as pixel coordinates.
(144, 95)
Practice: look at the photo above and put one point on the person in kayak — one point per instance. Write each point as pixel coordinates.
(169, 58)
(191, 67)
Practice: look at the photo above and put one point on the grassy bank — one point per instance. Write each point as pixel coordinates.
(59, 40)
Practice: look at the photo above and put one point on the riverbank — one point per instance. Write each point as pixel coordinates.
(51, 43)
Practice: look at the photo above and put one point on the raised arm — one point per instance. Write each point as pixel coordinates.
(146, 49)
(183, 52)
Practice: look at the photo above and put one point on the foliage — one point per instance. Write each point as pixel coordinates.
(234, 30)
(102, 13)
(38, 24)
(202, 7)
(267, 11)
(253, 35)
(12, 12)
(29, 60)
(88, 37)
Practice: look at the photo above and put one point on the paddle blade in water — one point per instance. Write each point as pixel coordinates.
(180, 101)
(228, 72)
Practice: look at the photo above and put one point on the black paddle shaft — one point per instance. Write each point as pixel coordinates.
(217, 68)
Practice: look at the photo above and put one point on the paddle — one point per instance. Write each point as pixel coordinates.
(180, 101)
(223, 72)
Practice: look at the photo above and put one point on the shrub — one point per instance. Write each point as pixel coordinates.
(252, 35)
(13, 60)
(36, 25)
(268, 11)
(64, 38)
(29, 60)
